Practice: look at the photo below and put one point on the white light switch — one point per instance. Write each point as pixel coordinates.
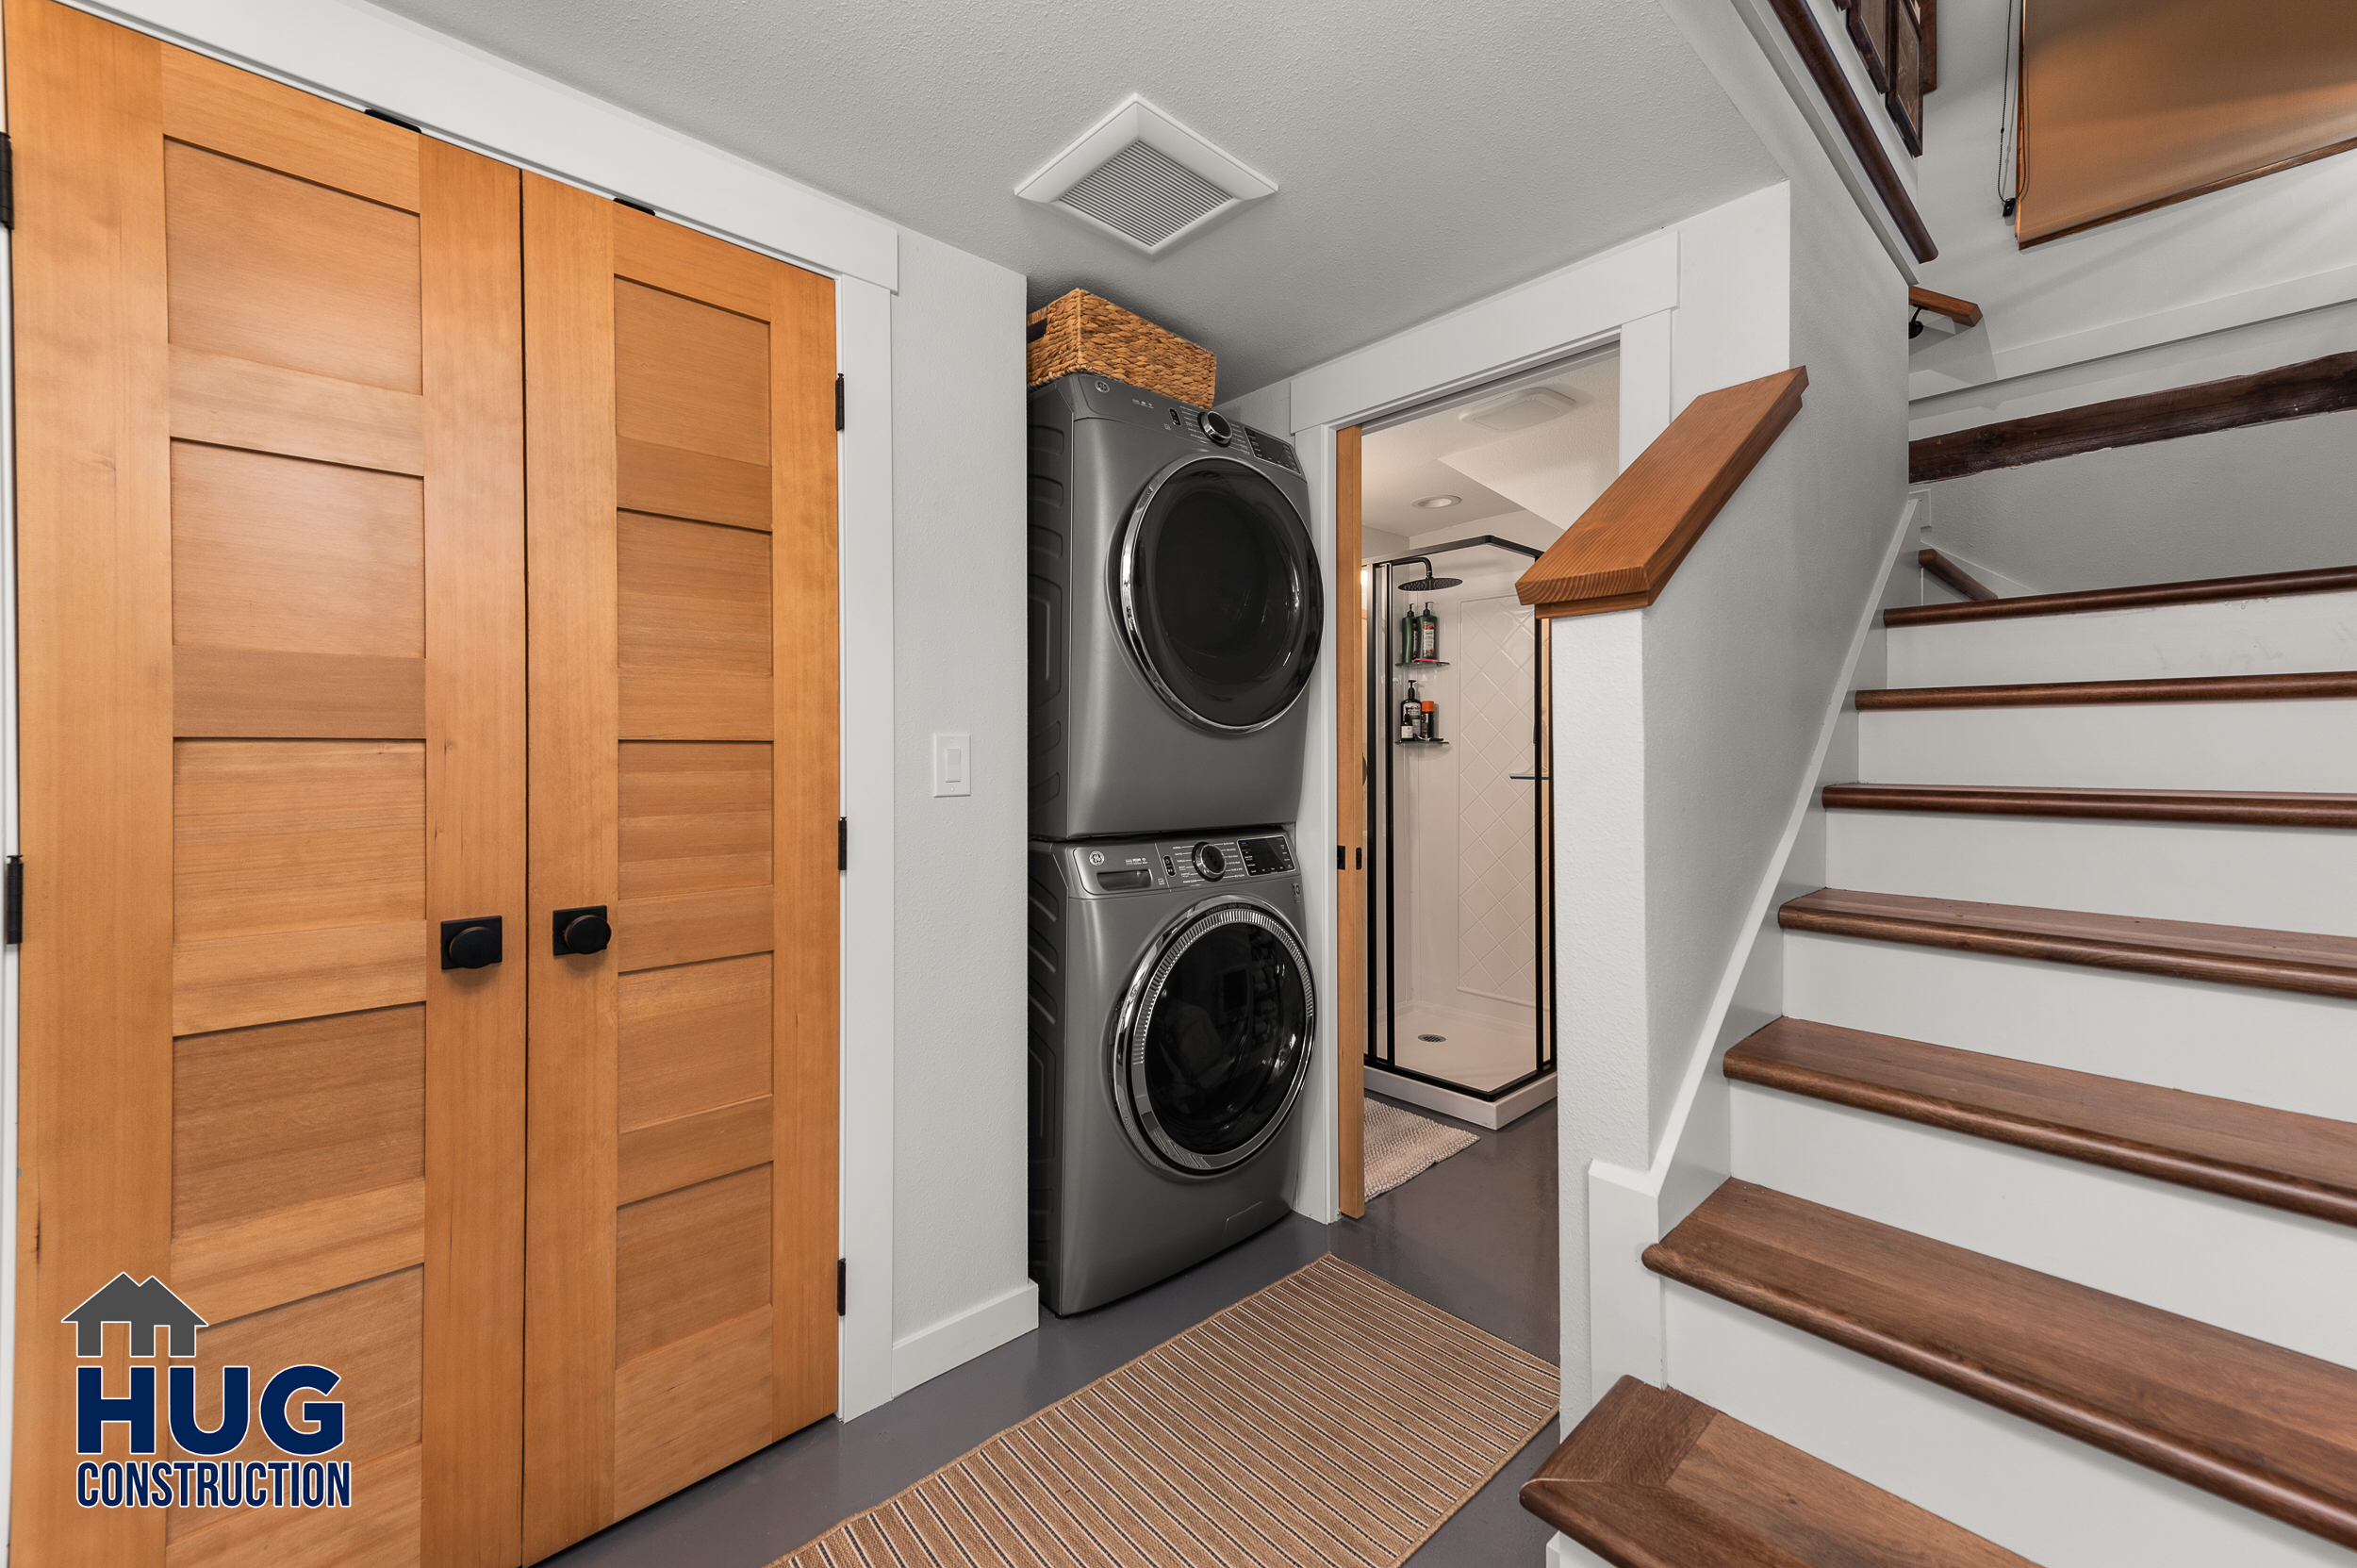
(953, 764)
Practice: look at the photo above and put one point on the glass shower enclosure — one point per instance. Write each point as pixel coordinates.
(1461, 971)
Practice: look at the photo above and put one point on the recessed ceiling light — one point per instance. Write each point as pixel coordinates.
(1434, 503)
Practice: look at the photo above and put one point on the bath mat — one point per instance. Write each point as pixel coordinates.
(1400, 1143)
(1329, 1419)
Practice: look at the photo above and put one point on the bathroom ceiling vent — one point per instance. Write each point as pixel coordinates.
(1142, 176)
(1518, 410)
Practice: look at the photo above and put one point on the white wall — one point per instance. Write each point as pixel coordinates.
(2263, 498)
(960, 1252)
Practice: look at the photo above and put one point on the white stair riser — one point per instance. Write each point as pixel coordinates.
(2300, 746)
(2270, 1047)
(2243, 636)
(2057, 1501)
(2282, 1277)
(2282, 879)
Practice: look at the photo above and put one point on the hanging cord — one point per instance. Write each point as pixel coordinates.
(2009, 123)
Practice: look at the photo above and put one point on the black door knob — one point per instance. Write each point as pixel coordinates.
(583, 931)
(474, 944)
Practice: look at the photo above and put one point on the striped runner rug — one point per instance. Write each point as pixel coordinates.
(1329, 1419)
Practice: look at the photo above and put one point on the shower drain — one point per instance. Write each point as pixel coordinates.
(1432, 1039)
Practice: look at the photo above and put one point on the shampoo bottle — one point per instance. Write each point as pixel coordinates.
(1409, 712)
(1428, 637)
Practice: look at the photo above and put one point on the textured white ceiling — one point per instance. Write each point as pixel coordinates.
(1427, 154)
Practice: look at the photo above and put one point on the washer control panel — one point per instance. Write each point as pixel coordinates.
(1200, 863)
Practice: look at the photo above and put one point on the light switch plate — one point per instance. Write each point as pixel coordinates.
(953, 764)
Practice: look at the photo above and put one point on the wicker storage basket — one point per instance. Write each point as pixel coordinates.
(1081, 332)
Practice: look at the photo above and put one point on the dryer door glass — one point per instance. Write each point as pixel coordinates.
(1220, 595)
(1220, 1048)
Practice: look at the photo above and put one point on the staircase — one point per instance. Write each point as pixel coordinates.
(2041, 1222)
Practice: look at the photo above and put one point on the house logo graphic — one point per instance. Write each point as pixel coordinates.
(162, 1330)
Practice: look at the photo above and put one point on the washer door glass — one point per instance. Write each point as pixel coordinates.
(1218, 1045)
(1220, 596)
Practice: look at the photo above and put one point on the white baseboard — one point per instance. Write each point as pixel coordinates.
(954, 1340)
(1563, 1552)
(1492, 1114)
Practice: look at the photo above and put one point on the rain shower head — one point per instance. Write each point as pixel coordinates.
(1428, 582)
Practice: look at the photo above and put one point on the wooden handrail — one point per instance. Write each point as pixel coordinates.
(1620, 554)
(1939, 565)
(1963, 312)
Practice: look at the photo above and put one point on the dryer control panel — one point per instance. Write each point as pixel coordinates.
(1194, 864)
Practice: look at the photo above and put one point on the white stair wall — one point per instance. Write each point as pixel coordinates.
(2279, 1276)
(2279, 746)
(2280, 879)
(2282, 1049)
(2243, 636)
(2057, 1501)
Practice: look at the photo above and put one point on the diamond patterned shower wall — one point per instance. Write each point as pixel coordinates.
(1497, 886)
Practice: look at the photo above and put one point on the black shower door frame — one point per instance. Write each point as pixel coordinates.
(1382, 1043)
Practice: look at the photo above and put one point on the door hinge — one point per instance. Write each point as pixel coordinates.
(12, 902)
(838, 402)
(1341, 857)
(8, 182)
(842, 1286)
(842, 843)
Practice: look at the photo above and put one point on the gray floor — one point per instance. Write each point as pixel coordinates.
(1474, 1235)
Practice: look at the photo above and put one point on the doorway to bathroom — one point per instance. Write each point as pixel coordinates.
(1456, 499)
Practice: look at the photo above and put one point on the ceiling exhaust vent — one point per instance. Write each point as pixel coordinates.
(1142, 176)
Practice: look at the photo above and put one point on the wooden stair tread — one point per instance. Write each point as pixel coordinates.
(2308, 962)
(2256, 1423)
(2312, 686)
(1651, 1479)
(2283, 1159)
(2278, 809)
(2203, 592)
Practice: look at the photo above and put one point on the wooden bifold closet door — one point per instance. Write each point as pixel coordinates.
(323, 645)
(681, 1233)
(270, 486)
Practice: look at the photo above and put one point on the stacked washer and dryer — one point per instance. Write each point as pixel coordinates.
(1177, 609)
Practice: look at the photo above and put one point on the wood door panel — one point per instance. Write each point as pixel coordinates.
(236, 403)
(671, 482)
(285, 835)
(278, 553)
(272, 269)
(694, 818)
(301, 1249)
(682, 704)
(688, 1259)
(688, 374)
(691, 1408)
(381, 1529)
(693, 1038)
(668, 1155)
(692, 928)
(231, 693)
(694, 597)
(368, 1332)
(233, 982)
(319, 1107)
(265, 123)
(691, 265)
(246, 1072)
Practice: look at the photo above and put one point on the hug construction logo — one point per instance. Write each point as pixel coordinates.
(160, 1322)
